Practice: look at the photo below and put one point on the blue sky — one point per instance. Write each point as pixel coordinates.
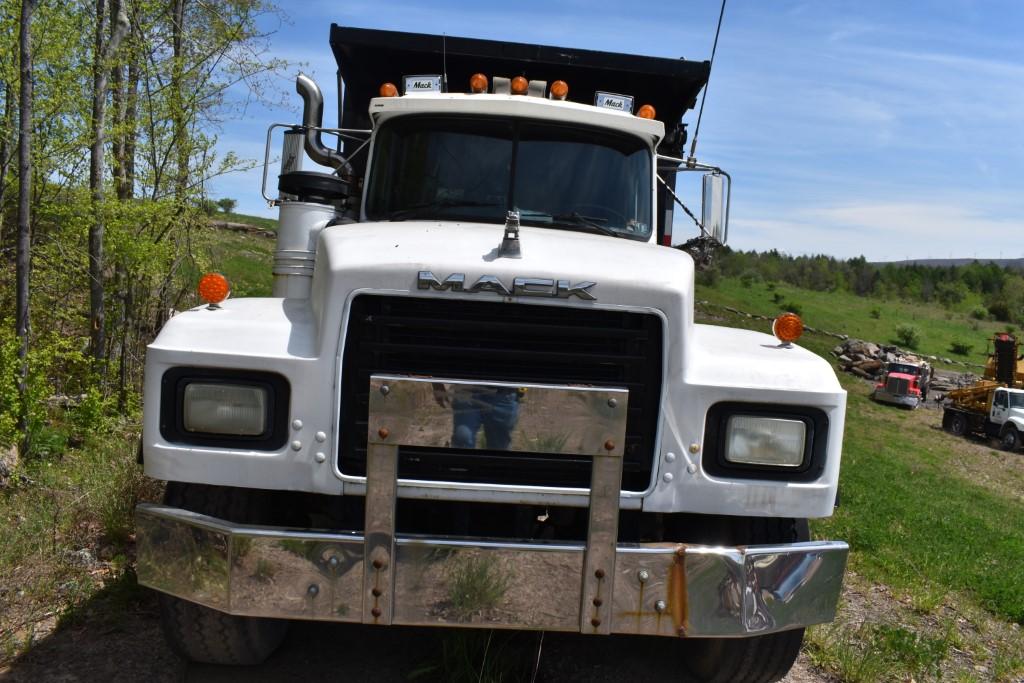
(889, 129)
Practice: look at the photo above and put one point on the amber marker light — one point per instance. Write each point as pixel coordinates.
(559, 90)
(646, 112)
(520, 85)
(788, 327)
(478, 83)
(213, 288)
(388, 90)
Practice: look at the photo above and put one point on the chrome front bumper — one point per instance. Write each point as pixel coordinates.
(905, 400)
(598, 587)
(657, 589)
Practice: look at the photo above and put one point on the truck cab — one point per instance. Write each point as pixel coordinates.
(481, 360)
(1006, 418)
(904, 383)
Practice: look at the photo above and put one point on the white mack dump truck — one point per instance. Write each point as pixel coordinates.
(478, 397)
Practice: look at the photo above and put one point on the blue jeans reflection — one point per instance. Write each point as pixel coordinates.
(496, 410)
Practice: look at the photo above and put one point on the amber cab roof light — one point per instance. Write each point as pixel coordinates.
(213, 288)
(788, 327)
(478, 83)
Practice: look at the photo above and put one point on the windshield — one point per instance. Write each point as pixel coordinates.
(904, 368)
(560, 176)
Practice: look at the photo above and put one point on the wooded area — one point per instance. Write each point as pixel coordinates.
(110, 112)
(1000, 289)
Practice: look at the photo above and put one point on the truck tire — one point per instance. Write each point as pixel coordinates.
(757, 659)
(1010, 439)
(202, 634)
(958, 424)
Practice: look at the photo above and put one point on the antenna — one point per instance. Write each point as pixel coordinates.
(693, 146)
(444, 62)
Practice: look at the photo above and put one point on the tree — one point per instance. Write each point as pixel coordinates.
(105, 47)
(24, 250)
(227, 205)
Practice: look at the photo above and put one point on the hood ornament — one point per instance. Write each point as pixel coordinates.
(510, 242)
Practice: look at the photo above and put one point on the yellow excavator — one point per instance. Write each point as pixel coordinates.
(993, 406)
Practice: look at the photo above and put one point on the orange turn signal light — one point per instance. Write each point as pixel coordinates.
(788, 327)
(213, 288)
(646, 112)
(559, 90)
(388, 90)
(478, 83)
(520, 85)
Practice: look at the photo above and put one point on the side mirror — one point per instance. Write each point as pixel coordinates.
(715, 206)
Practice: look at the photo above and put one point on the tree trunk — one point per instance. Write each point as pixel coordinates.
(24, 249)
(104, 50)
(178, 121)
(5, 153)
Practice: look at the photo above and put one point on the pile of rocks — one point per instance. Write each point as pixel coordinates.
(868, 360)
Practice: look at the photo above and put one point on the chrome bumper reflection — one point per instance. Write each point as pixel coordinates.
(656, 589)
(906, 400)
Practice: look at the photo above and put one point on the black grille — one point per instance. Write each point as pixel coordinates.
(898, 386)
(503, 342)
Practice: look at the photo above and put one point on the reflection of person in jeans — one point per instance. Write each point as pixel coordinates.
(495, 408)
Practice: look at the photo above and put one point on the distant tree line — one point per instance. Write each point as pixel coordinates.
(1000, 290)
(109, 111)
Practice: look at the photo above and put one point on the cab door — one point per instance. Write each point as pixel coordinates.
(1000, 407)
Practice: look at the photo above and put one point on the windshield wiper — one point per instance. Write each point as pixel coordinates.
(425, 208)
(572, 220)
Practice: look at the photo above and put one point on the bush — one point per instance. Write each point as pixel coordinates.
(908, 336)
(979, 313)
(793, 307)
(749, 278)
(777, 298)
(1000, 310)
(960, 348)
(876, 313)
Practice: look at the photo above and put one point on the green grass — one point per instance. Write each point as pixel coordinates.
(257, 221)
(846, 313)
(245, 260)
(68, 523)
(914, 523)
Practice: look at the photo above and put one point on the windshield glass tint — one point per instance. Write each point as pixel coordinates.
(478, 169)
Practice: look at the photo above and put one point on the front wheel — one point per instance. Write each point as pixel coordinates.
(756, 659)
(1010, 439)
(760, 659)
(202, 634)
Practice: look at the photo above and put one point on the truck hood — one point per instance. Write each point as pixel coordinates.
(386, 258)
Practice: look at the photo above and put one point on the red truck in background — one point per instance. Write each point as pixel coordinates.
(904, 383)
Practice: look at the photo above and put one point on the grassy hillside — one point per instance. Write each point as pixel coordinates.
(865, 318)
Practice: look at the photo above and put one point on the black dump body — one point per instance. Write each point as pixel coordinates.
(367, 58)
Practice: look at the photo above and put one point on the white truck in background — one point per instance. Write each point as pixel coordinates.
(481, 359)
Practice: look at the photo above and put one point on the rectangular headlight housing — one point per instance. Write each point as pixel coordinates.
(225, 408)
(765, 441)
(229, 409)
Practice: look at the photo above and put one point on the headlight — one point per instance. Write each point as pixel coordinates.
(225, 408)
(765, 441)
(231, 409)
(753, 440)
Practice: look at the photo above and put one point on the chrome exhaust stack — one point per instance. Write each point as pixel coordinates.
(308, 201)
(312, 121)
